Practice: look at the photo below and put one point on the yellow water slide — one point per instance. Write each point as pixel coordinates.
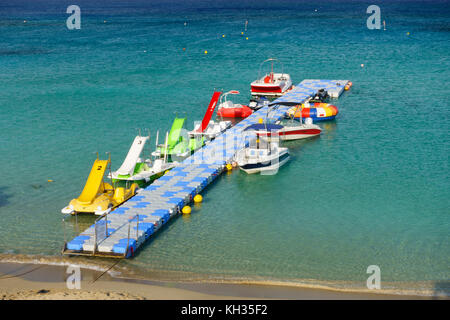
(94, 184)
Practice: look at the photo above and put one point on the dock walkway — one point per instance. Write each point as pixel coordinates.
(121, 232)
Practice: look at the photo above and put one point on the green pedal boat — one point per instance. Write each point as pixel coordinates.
(178, 145)
(135, 169)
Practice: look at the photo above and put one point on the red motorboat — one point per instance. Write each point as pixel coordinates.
(228, 109)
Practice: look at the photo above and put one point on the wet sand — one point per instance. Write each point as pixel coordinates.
(40, 281)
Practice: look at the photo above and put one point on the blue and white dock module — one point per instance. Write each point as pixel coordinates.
(121, 232)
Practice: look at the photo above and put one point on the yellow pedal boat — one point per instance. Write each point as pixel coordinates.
(99, 197)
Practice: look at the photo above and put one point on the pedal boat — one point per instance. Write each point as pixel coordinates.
(272, 84)
(135, 169)
(99, 197)
(213, 129)
(178, 145)
(208, 128)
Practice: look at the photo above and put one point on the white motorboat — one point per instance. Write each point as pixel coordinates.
(265, 156)
(294, 130)
(289, 130)
(272, 84)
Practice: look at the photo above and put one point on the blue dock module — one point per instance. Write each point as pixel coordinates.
(307, 88)
(121, 232)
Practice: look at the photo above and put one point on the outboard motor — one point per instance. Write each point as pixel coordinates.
(320, 96)
(258, 103)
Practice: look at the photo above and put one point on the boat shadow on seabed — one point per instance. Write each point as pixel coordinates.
(4, 197)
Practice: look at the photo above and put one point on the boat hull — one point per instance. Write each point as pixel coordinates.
(141, 182)
(273, 85)
(272, 91)
(213, 130)
(103, 203)
(241, 112)
(265, 166)
(296, 134)
(301, 131)
(266, 89)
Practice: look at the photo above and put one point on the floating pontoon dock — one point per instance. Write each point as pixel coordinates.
(121, 232)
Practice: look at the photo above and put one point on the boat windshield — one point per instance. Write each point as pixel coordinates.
(268, 78)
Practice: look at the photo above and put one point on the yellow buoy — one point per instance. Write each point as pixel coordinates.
(229, 167)
(260, 120)
(246, 38)
(407, 33)
(206, 52)
(198, 198)
(223, 36)
(242, 32)
(186, 210)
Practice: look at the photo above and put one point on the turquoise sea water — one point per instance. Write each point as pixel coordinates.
(373, 189)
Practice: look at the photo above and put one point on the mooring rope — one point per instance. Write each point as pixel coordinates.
(112, 266)
(21, 274)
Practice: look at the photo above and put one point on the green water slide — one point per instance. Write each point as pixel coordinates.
(178, 144)
(175, 141)
(175, 132)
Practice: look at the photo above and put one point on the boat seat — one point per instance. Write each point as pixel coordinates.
(227, 104)
(157, 165)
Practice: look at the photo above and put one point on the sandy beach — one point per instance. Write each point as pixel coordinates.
(48, 282)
